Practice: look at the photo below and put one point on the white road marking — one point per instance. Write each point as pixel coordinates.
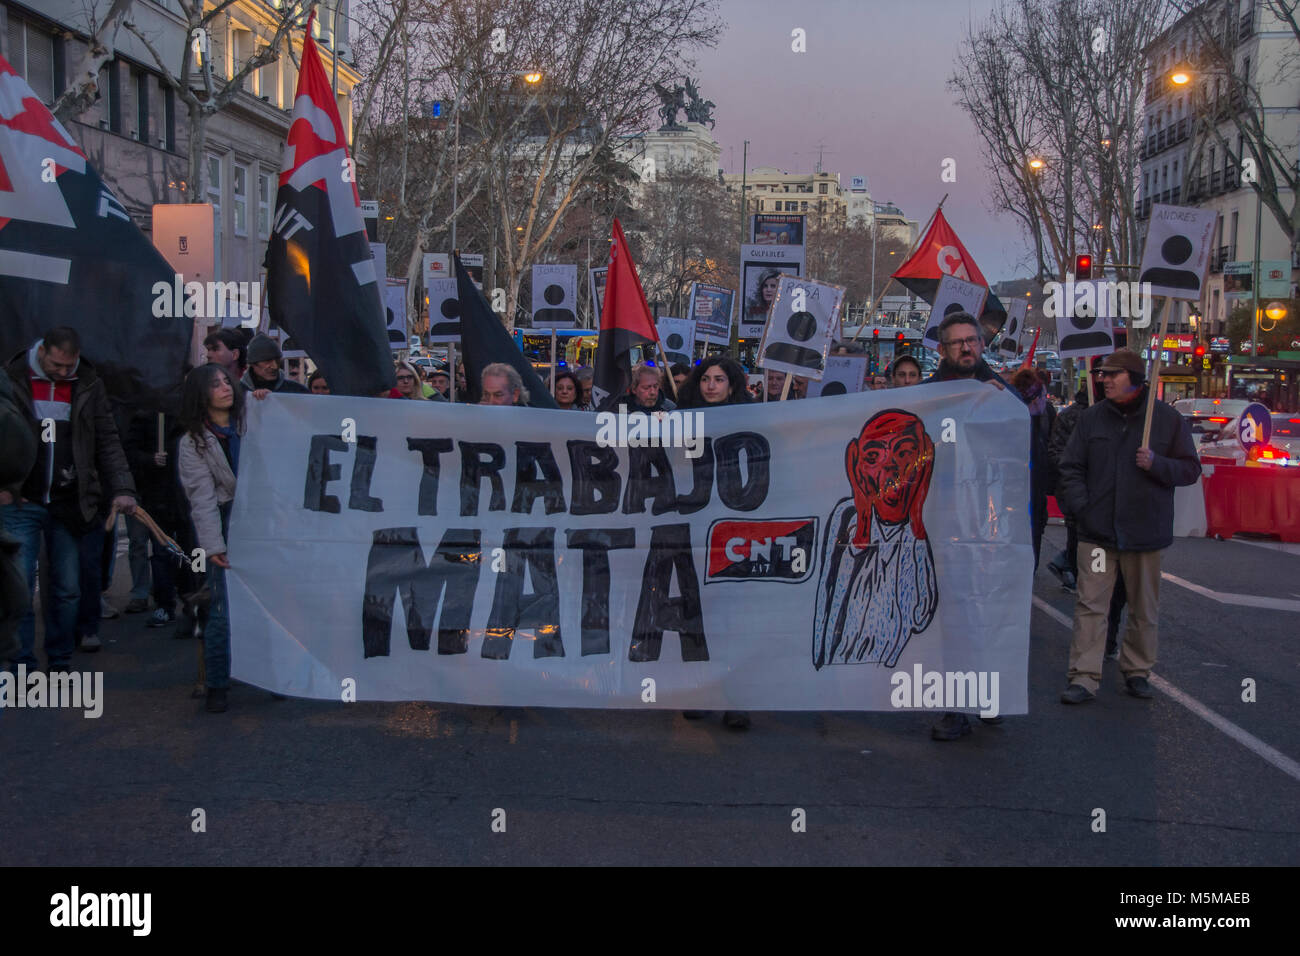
(1286, 547)
(1248, 740)
(1228, 597)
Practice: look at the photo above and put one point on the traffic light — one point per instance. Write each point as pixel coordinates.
(899, 338)
(1199, 351)
(1083, 267)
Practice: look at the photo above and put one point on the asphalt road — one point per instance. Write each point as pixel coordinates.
(308, 782)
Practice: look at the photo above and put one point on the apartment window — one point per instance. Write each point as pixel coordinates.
(803, 206)
(142, 107)
(1245, 69)
(264, 199)
(239, 199)
(32, 55)
(241, 49)
(114, 105)
(214, 197)
(288, 80)
(1232, 236)
(821, 189)
(169, 119)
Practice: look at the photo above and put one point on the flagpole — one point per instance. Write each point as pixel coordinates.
(920, 236)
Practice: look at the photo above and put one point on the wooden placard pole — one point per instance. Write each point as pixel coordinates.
(451, 369)
(785, 389)
(555, 359)
(663, 359)
(161, 437)
(1155, 373)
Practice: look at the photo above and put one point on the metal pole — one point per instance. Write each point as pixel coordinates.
(334, 47)
(871, 318)
(1254, 283)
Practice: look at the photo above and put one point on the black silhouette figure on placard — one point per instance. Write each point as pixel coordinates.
(450, 310)
(673, 349)
(395, 336)
(800, 327)
(553, 317)
(1175, 251)
(1010, 336)
(933, 331)
(834, 388)
(1079, 336)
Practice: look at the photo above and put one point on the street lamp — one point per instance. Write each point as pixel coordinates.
(1036, 164)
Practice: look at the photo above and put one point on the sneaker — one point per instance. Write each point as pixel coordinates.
(736, 719)
(137, 605)
(1139, 687)
(106, 610)
(160, 617)
(951, 727)
(1077, 694)
(216, 700)
(90, 643)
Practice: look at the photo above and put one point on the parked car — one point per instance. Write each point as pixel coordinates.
(1209, 418)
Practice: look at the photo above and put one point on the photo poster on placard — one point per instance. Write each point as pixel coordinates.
(1177, 251)
(845, 374)
(761, 267)
(766, 229)
(805, 317)
(395, 313)
(710, 308)
(555, 296)
(596, 280)
(473, 263)
(676, 340)
(953, 295)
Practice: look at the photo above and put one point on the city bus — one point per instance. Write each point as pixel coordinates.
(575, 347)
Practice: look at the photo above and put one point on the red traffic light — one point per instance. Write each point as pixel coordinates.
(1200, 351)
(875, 333)
(899, 337)
(1083, 267)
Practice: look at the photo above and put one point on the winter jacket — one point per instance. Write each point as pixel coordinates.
(1114, 502)
(628, 400)
(208, 482)
(158, 489)
(17, 443)
(100, 464)
(282, 383)
(1061, 432)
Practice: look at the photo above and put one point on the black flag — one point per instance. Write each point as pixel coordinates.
(70, 255)
(484, 340)
(321, 283)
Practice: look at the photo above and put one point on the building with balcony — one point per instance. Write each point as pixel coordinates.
(137, 133)
(1184, 163)
(821, 197)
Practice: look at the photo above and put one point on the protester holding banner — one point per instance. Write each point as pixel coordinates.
(317, 384)
(212, 416)
(567, 391)
(409, 384)
(644, 394)
(586, 378)
(502, 385)
(264, 373)
(1121, 494)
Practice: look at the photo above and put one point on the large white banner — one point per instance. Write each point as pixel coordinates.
(863, 552)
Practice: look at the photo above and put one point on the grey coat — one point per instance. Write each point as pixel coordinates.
(209, 483)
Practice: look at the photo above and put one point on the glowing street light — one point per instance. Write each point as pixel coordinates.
(1276, 311)
(1036, 164)
(533, 77)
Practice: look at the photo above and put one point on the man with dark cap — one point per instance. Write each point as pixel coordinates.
(1120, 493)
(264, 372)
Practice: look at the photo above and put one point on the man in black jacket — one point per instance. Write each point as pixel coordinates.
(1121, 497)
(80, 465)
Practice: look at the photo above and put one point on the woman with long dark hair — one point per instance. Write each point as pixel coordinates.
(568, 391)
(717, 381)
(207, 460)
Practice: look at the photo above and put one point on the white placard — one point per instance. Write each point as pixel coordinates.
(677, 339)
(760, 267)
(845, 375)
(1085, 326)
(1177, 250)
(805, 319)
(1013, 331)
(395, 312)
(444, 311)
(555, 296)
(953, 295)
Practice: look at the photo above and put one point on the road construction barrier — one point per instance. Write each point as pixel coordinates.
(1258, 499)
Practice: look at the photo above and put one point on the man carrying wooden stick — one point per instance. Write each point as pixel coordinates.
(1117, 483)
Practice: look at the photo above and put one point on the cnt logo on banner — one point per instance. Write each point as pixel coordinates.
(844, 375)
(1177, 251)
(1014, 330)
(555, 296)
(761, 268)
(794, 560)
(805, 318)
(677, 339)
(953, 295)
(711, 309)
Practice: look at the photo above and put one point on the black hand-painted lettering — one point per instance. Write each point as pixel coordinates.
(430, 450)
(649, 475)
(320, 472)
(530, 458)
(702, 470)
(479, 460)
(596, 481)
(747, 493)
(656, 612)
(596, 545)
(363, 466)
(512, 609)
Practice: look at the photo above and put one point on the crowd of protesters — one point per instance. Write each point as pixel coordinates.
(179, 468)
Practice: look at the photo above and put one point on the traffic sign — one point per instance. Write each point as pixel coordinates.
(1254, 427)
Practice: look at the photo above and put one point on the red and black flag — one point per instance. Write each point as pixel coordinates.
(321, 283)
(70, 255)
(941, 253)
(625, 323)
(484, 340)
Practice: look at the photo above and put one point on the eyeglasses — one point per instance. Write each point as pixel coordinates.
(961, 343)
(1109, 372)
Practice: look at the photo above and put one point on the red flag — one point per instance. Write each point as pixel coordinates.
(941, 253)
(625, 322)
(321, 282)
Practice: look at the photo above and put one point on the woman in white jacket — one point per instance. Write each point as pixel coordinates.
(212, 414)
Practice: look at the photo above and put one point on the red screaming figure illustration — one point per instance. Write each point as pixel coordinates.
(877, 585)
